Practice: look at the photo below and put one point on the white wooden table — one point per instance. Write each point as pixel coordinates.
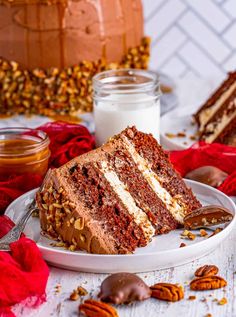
(58, 305)
(224, 257)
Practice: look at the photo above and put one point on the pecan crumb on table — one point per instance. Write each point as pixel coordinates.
(181, 135)
(82, 291)
(222, 301)
(58, 288)
(74, 295)
(177, 135)
(78, 292)
(204, 299)
(170, 135)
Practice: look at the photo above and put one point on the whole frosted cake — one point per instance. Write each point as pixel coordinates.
(50, 49)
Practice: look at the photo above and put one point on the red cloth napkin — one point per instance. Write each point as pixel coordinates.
(12, 188)
(24, 273)
(66, 142)
(202, 154)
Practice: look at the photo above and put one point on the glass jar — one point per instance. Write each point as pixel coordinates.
(126, 97)
(23, 152)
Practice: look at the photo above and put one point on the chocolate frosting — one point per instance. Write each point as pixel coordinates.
(61, 33)
(123, 288)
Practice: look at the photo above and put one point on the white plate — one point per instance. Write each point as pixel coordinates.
(162, 252)
(175, 121)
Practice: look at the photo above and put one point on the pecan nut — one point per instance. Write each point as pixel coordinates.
(206, 270)
(168, 292)
(91, 308)
(207, 216)
(207, 283)
(79, 223)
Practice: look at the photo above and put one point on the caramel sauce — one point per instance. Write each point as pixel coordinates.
(20, 157)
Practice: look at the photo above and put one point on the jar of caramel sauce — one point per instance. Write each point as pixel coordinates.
(23, 152)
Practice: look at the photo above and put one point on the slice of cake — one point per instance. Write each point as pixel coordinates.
(217, 117)
(115, 198)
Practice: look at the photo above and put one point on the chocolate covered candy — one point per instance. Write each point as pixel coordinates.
(208, 175)
(207, 216)
(124, 288)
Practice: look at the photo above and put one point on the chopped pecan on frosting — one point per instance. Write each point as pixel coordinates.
(52, 91)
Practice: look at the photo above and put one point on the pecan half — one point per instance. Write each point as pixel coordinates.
(167, 291)
(207, 283)
(222, 301)
(206, 270)
(92, 308)
(207, 216)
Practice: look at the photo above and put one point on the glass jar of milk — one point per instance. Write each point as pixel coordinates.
(126, 97)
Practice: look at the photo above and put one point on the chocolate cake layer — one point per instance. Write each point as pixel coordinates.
(120, 195)
(228, 135)
(221, 121)
(215, 118)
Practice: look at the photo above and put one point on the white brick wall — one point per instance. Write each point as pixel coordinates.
(192, 38)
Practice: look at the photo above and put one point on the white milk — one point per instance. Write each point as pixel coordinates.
(114, 113)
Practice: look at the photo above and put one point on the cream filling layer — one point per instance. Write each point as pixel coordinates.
(225, 120)
(206, 114)
(171, 203)
(140, 217)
